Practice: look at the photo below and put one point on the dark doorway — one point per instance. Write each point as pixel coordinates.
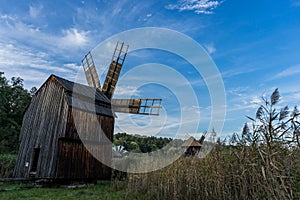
(34, 163)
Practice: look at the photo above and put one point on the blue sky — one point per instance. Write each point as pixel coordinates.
(254, 44)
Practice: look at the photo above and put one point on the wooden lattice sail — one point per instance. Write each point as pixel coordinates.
(137, 106)
(90, 71)
(114, 70)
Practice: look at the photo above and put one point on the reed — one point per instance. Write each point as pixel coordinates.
(237, 172)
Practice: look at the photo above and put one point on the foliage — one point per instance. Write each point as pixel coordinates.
(13, 101)
(138, 143)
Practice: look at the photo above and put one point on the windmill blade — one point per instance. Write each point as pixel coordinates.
(147, 106)
(113, 73)
(90, 71)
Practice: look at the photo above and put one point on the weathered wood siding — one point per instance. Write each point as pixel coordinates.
(76, 162)
(87, 135)
(43, 123)
(88, 126)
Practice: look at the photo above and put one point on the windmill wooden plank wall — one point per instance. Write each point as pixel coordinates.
(50, 145)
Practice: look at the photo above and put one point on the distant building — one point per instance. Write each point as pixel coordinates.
(192, 146)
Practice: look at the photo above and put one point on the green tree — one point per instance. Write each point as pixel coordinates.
(14, 99)
(139, 143)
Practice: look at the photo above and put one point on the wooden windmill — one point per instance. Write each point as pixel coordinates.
(144, 106)
(51, 146)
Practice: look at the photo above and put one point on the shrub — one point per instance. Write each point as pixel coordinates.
(7, 163)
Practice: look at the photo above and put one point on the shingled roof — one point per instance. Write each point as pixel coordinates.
(83, 97)
(82, 90)
(191, 142)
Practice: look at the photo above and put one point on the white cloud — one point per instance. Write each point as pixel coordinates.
(145, 18)
(35, 11)
(31, 65)
(23, 50)
(198, 6)
(12, 56)
(74, 37)
(290, 94)
(238, 91)
(122, 90)
(165, 123)
(210, 48)
(72, 66)
(7, 17)
(243, 99)
(255, 101)
(192, 108)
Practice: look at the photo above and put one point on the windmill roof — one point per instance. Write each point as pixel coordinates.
(191, 142)
(82, 90)
(84, 97)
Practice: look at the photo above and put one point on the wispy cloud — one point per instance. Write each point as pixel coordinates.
(34, 51)
(246, 99)
(12, 56)
(122, 90)
(225, 75)
(210, 48)
(290, 94)
(72, 39)
(35, 11)
(7, 17)
(35, 66)
(198, 6)
(243, 98)
(288, 72)
(238, 71)
(145, 17)
(165, 123)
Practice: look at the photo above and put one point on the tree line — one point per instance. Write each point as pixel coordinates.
(13, 100)
(140, 144)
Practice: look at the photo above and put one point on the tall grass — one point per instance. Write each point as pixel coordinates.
(227, 173)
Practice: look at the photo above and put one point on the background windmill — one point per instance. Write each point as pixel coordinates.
(144, 106)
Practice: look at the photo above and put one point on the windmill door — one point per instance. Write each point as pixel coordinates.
(34, 161)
